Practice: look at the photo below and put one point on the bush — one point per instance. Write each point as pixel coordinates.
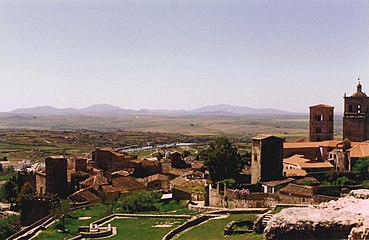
(140, 201)
(9, 226)
(365, 184)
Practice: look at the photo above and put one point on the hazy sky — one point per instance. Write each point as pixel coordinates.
(178, 54)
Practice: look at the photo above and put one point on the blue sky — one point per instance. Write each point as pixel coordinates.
(285, 54)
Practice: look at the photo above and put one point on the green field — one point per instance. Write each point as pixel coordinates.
(95, 212)
(213, 229)
(143, 228)
(99, 211)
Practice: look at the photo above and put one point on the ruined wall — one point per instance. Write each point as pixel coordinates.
(230, 200)
(40, 183)
(24, 176)
(255, 162)
(34, 209)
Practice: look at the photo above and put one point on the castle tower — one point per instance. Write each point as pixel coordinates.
(266, 158)
(321, 123)
(56, 175)
(356, 116)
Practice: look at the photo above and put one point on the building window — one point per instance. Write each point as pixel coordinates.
(350, 108)
(255, 157)
(359, 108)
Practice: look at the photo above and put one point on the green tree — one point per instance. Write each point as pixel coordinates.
(222, 160)
(26, 189)
(362, 168)
(60, 212)
(140, 201)
(10, 191)
(109, 200)
(344, 181)
(9, 226)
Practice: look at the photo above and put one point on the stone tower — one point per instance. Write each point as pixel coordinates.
(356, 116)
(56, 175)
(266, 158)
(321, 123)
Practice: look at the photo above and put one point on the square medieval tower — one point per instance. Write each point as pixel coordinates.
(321, 123)
(266, 158)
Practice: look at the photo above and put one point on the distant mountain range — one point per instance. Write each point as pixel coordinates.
(106, 109)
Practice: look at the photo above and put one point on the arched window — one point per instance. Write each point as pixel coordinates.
(319, 117)
(359, 108)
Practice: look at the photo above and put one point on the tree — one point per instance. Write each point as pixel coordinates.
(10, 191)
(140, 201)
(9, 226)
(109, 200)
(361, 168)
(222, 160)
(26, 189)
(60, 213)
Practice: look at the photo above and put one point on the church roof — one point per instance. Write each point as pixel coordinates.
(359, 94)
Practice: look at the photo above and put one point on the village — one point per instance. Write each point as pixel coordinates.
(277, 173)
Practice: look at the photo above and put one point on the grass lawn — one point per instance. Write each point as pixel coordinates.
(99, 211)
(278, 209)
(143, 228)
(95, 212)
(213, 229)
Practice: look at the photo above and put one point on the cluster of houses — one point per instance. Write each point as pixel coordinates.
(283, 169)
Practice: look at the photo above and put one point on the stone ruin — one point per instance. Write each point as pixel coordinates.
(346, 218)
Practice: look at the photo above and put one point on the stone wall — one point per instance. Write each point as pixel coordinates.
(231, 200)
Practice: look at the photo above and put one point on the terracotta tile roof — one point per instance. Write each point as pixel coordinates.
(127, 183)
(183, 189)
(296, 145)
(322, 105)
(264, 136)
(311, 180)
(360, 150)
(197, 165)
(94, 182)
(184, 182)
(158, 176)
(297, 190)
(179, 172)
(84, 195)
(278, 182)
(328, 143)
(112, 189)
(304, 163)
(294, 172)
